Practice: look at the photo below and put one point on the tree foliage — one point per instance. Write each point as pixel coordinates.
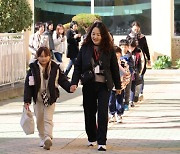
(84, 20)
(15, 15)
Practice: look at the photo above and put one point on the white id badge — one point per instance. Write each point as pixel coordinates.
(31, 80)
(96, 69)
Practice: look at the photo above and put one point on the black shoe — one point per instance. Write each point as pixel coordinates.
(101, 148)
(136, 98)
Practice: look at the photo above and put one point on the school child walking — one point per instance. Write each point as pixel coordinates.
(138, 67)
(41, 84)
(126, 55)
(116, 105)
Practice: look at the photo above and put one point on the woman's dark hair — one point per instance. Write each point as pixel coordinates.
(57, 30)
(47, 24)
(47, 53)
(106, 44)
(38, 25)
(135, 23)
(73, 23)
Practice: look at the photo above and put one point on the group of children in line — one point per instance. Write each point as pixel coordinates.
(131, 62)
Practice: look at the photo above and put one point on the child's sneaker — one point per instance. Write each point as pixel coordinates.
(132, 104)
(41, 144)
(111, 118)
(118, 118)
(47, 143)
(126, 107)
(136, 99)
(141, 97)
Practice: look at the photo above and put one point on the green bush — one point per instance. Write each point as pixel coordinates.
(178, 63)
(162, 62)
(84, 20)
(15, 15)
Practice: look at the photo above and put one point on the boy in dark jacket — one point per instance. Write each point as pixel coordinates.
(126, 55)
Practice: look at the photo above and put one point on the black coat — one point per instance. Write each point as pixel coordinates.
(109, 63)
(72, 44)
(32, 91)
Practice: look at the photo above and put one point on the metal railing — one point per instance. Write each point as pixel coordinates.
(12, 58)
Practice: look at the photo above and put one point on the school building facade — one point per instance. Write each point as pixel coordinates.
(159, 19)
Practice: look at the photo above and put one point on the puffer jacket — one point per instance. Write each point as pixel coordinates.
(31, 91)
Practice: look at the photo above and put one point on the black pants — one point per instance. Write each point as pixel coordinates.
(95, 100)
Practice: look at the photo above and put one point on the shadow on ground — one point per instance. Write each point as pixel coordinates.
(78, 146)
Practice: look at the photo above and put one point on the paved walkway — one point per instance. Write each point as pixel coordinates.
(152, 127)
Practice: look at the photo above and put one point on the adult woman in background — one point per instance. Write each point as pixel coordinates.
(49, 33)
(59, 43)
(37, 40)
(97, 52)
(142, 44)
(73, 39)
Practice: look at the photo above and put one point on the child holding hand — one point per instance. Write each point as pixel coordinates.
(41, 84)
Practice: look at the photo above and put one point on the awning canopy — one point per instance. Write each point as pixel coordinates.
(100, 10)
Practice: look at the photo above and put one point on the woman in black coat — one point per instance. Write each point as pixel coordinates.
(97, 55)
(73, 39)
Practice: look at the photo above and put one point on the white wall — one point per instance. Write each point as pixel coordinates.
(159, 42)
(162, 27)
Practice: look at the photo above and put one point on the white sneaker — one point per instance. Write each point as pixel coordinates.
(111, 118)
(141, 97)
(118, 118)
(91, 144)
(41, 144)
(47, 143)
(101, 147)
(132, 104)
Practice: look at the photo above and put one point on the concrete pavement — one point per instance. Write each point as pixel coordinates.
(152, 127)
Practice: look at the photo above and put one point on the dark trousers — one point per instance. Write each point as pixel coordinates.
(52, 54)
(95, 100)
(71, 63)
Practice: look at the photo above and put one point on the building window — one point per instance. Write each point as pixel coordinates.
(119, 14)
(116, 14)
(177, 17)
(60, 11)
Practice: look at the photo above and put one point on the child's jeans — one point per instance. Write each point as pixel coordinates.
(127, 91)
(116, 104)
(133, 90)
